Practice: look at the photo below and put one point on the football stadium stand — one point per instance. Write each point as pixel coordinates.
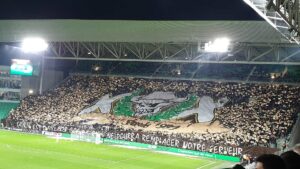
(251, 115)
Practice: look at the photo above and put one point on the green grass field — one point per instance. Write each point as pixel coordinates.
(27, 151)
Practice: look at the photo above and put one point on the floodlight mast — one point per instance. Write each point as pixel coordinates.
(36, 45)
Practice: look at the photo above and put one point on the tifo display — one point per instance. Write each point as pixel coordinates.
(221, 118)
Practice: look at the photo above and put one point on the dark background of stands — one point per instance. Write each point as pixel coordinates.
(213, 72)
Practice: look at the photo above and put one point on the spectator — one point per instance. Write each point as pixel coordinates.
(270, 161)
(296, 149)
(238, 167)
(291, 159)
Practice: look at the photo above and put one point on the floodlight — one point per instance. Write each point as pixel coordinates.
(96, 68)
(34, 45)
(30, 91)
(219, 45)
(273, 76)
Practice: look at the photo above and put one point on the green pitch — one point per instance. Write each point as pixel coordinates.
(27, 151)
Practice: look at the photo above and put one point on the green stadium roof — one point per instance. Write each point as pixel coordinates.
(138, 31)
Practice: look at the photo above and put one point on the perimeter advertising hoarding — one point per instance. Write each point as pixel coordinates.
(21, 67)
(159, 148)
(88, 137)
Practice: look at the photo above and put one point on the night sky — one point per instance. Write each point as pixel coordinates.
(127, 9)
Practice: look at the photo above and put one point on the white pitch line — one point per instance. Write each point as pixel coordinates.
(213, 162)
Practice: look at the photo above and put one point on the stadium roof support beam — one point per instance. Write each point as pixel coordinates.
(195, 72)
(92, 49)
(240, 53)
(251, 73)
(178, 61)
(157, 70)
(263, 54)
(232, 54)
(290, 56)
(112, 50)
(283, 15)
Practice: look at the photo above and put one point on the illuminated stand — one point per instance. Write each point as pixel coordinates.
(36, 46)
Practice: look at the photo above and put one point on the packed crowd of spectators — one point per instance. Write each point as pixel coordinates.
(287, 160)
(257, 114)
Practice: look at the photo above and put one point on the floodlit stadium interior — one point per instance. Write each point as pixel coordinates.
(205, 93)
